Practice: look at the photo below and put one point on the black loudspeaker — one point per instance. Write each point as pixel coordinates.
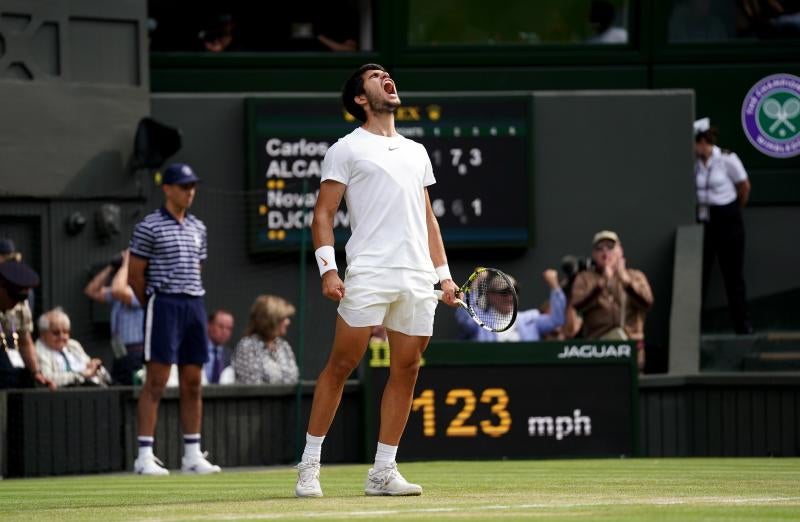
(153, 144)
(107, 221)
(74, 223)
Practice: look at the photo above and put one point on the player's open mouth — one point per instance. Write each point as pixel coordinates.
(388, 87)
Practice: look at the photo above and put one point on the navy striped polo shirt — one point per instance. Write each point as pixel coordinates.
(173, 250)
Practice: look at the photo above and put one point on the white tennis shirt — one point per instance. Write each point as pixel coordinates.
(716, 182)
(385, 197)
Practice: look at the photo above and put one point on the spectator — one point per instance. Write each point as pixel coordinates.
(722, 190)
(612, 298)
(8, 251)
(696, 21)
(530, 325)
(220, 35)
(601, 20)
(263, 356)
(19, 366)
(127, 316)
(62, 359)
(220, 328)
(768, 19)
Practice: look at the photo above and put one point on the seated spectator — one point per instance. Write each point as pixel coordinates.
(602, 15)
(263, 356)
(611, 297)
(62, 359)
(696, 21)
(127, 317)
(19, 367)
(8, 251)
(220, 328)
(530, 325)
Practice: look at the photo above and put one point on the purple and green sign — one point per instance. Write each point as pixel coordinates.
(771, 115)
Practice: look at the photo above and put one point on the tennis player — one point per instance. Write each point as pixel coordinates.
(395, 255)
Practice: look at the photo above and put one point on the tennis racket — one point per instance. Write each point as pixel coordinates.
(489, 298)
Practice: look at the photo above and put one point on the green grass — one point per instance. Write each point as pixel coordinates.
(625, 490)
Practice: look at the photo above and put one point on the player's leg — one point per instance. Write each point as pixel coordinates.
(192, 354)
(384, 478)
(349, 345)
(409, 322)
(406, 352)
(159, 353)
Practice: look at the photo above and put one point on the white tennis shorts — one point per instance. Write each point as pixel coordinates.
(399, 299)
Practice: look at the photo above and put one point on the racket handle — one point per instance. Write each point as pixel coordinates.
(440, 294)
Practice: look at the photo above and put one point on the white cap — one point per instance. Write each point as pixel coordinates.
(701, 125)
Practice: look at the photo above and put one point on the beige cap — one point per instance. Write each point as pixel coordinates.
(605, 234)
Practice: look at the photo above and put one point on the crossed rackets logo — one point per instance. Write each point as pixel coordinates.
(771, 115)
(781, 114)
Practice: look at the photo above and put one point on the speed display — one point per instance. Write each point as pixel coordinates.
(478, 146)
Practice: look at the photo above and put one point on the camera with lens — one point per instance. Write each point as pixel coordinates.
(571, 266)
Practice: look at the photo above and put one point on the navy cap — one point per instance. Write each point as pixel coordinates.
(7, 246)
(179, 174)
(19, 274)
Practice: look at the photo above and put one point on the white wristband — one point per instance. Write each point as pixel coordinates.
(443, 272)
(326, 259)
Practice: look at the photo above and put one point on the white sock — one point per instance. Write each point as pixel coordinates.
(145, 446)
(384, 456)
(313, 448)
(191, 445)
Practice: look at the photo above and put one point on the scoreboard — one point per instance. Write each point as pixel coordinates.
(515, 400)
(478, 146)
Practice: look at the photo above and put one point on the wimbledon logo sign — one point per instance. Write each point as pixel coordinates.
(771, 115)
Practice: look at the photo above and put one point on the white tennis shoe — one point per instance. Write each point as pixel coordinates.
(389, 481)
(199, 465)
(308, 479)
(149, 465)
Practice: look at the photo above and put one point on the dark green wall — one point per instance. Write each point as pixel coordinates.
(584, 173)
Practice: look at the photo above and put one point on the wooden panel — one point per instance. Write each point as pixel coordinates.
(683, 429)
(714, 415)
(700, 423)
(744, 421)
(773, 422)
(759, 422)
(788, 434)
(655, 426)
(669, 426)
(728, 422)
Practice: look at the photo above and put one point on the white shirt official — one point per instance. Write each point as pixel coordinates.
(716, 181)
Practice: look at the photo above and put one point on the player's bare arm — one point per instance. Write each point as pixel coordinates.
(330, 196)
(438, 256)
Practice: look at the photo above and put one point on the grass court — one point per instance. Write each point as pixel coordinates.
(619, 490)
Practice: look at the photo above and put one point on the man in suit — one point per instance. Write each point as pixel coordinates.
(220, 328)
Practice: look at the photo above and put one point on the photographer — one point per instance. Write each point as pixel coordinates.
(127, 316)
(612, 298)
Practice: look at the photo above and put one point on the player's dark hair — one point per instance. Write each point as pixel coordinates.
(709, 136)
(355, 87)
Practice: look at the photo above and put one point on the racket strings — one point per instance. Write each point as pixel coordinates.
(493, 300)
